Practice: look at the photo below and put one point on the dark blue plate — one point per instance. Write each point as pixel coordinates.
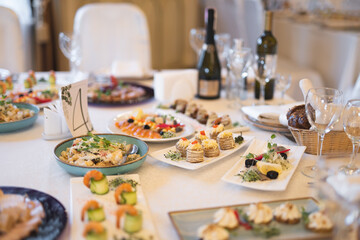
(55, 214)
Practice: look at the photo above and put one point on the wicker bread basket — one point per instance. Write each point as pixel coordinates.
(335, 142)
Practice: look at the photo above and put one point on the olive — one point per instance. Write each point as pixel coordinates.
(21, 95)
(178, 129)
(161, 132)
(146, 126)
(130, 120)
(272, 174)
(175, 122)
(250, 162)
(30, 91)
(284, 155)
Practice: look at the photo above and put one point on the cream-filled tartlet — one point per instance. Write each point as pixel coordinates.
(194, 152)
(215, 130)
(319, 222)
(201, 136)
(226, 140)
(226, 217)
(182, 145)
(287, 213)
(211, 148)
(212, 232)
(259, 213)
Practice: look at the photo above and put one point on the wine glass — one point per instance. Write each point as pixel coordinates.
(282, 83)
(222, 41)
(323, 107)
(70, 47)
(197, 38)
(351, 122)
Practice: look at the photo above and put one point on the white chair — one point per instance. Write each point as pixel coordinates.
(11, 42)
(111, 33)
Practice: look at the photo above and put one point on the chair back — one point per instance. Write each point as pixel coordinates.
(12, 46)
(109, 32)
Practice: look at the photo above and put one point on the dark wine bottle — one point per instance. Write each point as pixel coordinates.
(209, 82)
(266, 51)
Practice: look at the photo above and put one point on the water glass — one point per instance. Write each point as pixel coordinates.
(70, 47)
(282, 84)
(197, 38)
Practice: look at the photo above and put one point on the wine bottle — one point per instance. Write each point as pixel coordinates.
(209, 81)
(266, 51)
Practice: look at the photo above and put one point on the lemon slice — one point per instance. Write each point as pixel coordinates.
(265, 167)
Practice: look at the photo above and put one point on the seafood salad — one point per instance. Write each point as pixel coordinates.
(96, 151)
(10, 113)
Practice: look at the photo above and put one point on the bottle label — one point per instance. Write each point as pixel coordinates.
(209, 88)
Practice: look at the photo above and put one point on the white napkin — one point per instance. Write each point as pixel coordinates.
(54, 121)
(305, 84)
(170, 85)
(127, 69)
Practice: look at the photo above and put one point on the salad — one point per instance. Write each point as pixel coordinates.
(9, 112)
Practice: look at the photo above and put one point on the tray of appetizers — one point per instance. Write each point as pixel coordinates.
(265, 165)
(282, 219)
(151, 125)
(30, 214)
(202, 150)
(109, 207)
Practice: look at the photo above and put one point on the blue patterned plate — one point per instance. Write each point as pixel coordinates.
(55, 214)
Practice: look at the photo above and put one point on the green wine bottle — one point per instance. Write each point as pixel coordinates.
(266, 51)
(209, 81)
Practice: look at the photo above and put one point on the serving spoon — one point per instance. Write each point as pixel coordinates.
(130, 149)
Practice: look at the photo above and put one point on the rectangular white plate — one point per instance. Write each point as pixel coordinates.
(80, 194)
(159, 155)
(279, 184)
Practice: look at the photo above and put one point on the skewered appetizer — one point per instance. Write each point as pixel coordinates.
(227, 218)
(125, 194)
(182, 145)
(259, 213)
(200, 136)
(319, 222)
(210, 147)
(195, 152)
(226, 140)
(97, 182)
(213, 232)
(287, 213)
(133, 218)
(94, 211)
(95, 231)
(216, 130)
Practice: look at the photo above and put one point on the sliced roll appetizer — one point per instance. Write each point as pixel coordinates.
(125, 194)
(94, 211)
(95, 231)
(97, 182)
(133, 218)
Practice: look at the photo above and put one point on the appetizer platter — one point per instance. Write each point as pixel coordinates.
(30, 214)
(283, 219)
(265, 166)
(118, 93)
(109, 207)
(201, 151)
(151, 126)
(108, 153)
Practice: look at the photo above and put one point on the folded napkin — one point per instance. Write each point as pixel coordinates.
(55, 124)
(127, 69)
(170, 85)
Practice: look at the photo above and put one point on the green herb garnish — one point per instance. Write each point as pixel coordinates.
(250, 156)
(265, 231)
(305, 215)
(168, 135)
(114, 183)
(250, 175)
(174, 155)
(235, 124)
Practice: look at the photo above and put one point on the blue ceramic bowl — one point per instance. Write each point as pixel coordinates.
(113, 170)
(20, 124)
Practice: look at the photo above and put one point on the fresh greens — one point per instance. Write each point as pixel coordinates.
(168, 135)
(174, 155)
(265, 231)
(114, 183)
(250, 175)
(304, 215)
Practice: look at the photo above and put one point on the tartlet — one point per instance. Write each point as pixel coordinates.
(226, 140)
(182, 145)
(287, 213)
(319, 222)
(259, 213)
(212, 232)
(195, 152)
(210, 147)
(216, 130)
(226, 217)
(200, 136)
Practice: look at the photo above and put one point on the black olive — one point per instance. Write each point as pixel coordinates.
(178, 129)
(161, 132)
(175, 122)
(284, 155)
(130, 120)
(146, 126)
(272, 174)
(21, 95)
(30, 91)
(250, 162)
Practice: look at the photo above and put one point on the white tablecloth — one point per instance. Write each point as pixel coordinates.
(27, 161)
(335, 54)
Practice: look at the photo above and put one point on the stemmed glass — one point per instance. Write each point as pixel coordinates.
(197, 38)
(222, 41)
(351, 122)
(70, 47)
(282, 83)
(323, 107)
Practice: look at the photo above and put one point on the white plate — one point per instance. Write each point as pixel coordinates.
(159, 155)
(280, 184)
(187, 131)
(80, 194)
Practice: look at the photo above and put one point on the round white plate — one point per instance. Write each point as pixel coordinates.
(188, 129)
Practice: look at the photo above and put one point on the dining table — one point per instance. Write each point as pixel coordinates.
(27, 160)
